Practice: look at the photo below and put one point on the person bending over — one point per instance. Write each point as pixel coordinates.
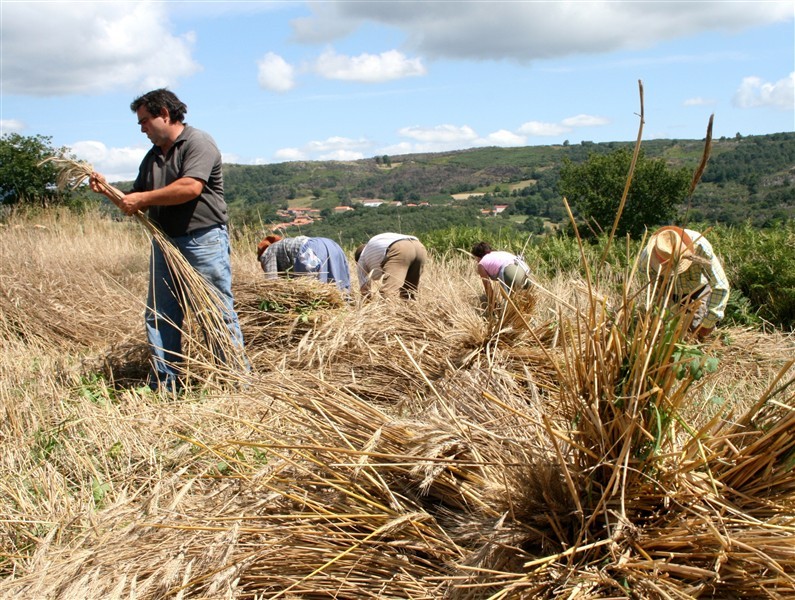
(394, 259)
(320, 257)
(699, 282)
(508, 269)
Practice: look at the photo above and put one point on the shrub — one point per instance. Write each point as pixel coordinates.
(760, 264)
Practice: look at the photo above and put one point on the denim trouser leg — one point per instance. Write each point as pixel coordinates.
(163, 318)
(208, 251)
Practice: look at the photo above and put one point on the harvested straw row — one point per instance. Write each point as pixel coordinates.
(43, 283)
(351, 502)
(305, 325)
(477, 495)
(33, 312)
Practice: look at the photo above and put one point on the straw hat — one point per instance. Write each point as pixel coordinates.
(670, 243)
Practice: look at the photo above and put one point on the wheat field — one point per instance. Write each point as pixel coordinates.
(574, 444)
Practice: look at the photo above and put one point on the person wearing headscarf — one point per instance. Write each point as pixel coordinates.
(699, 281)
(301, 255)
(497, 265)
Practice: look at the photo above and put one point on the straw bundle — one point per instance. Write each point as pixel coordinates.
(276, 313)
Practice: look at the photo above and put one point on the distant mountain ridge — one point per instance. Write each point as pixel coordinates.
(751, 177)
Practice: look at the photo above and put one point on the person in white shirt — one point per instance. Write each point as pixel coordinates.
(394, 259)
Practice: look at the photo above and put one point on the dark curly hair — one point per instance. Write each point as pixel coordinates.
(481, 249)
(157, 100)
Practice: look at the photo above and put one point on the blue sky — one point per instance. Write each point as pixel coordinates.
(342, 80)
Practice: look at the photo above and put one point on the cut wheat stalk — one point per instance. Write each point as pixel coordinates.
(193, 292)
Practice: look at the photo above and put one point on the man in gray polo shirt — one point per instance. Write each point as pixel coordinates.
(180, 186)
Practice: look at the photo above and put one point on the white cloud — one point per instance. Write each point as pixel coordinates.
(753, 93)
(584, 121)
(399, 148)
(537, 128)
(275, 74)
(368, 68)
(446, 137)
(11, 126)
(440, 138)
(286, 154)
(535, 30)
(421, 139)
(117, 164)
(336, 144)
(230, 158)
(440, 134)
(323, 26)
(59, 48)
(541, 129)
(504, 137)
(333, 148)
(342, 154)
(698, 101)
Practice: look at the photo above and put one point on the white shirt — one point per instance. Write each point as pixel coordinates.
(372, 257)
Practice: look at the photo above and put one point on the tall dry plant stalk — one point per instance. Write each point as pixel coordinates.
(193, 292)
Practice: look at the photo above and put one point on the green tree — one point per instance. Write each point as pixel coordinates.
(22, 180)
(595, 188)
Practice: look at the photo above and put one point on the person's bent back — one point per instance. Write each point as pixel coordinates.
(393, 259)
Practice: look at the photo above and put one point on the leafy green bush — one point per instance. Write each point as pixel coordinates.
(760, 264)
(740, 311)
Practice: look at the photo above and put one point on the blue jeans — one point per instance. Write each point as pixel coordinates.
(208, 251)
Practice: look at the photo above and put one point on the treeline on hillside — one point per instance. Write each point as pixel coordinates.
(746, 178)
(753, 181)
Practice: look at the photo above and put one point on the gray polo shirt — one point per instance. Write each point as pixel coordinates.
(194, 154)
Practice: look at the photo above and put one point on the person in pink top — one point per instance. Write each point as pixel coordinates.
(496, 265)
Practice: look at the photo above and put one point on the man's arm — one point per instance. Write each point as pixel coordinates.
(364, 278)
(179, 191)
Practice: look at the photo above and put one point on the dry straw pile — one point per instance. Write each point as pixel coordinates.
(559, 448)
